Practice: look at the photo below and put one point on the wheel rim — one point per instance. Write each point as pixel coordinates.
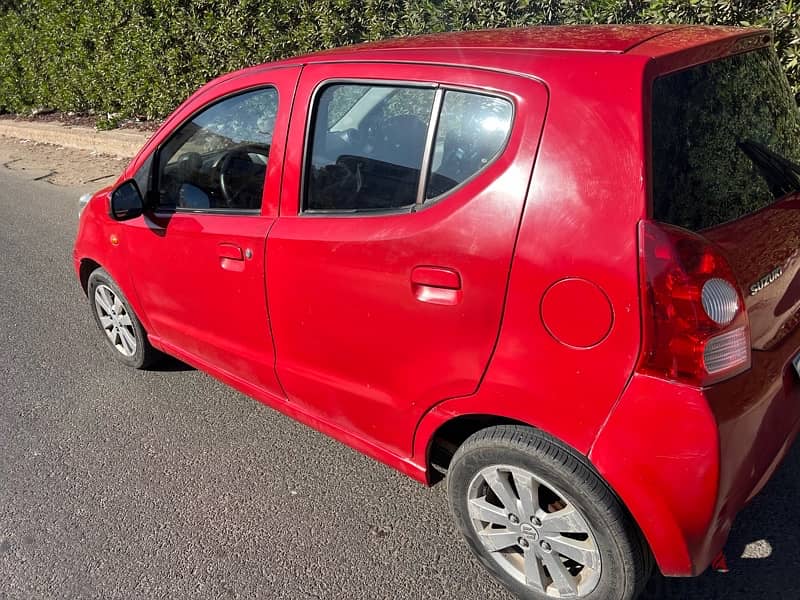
(115, 320)
(533, 532)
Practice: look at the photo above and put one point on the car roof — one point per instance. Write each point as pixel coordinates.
(486, 47)
(586, 38)
(609, 39)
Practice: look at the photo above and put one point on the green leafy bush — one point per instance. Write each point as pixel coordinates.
(142, 57)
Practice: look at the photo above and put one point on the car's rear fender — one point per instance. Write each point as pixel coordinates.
(659, 451)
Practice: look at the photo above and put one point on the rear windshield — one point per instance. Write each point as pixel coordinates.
(726, 140)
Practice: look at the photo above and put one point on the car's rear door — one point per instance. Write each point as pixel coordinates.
(387, 294)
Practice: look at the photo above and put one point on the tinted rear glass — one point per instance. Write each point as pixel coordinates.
(726, 140)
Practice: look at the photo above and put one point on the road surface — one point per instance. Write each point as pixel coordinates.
(167, 484)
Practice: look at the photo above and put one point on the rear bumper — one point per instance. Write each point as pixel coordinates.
(685, 460)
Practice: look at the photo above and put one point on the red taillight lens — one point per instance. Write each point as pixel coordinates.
(696, 328)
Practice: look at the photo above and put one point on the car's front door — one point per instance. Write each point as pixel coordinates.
(198, 256)
(389, 263)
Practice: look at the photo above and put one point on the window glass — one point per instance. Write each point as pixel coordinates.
(366, 147)
(726, 140)
(472, 130)
(218, 160)
(341, 101)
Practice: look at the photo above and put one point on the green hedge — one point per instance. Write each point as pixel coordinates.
(130, 57)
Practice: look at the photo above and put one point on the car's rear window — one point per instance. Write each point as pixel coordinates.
(725, 139)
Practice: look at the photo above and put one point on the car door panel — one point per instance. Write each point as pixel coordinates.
(206, 300)
(379, 316)
(199, 274)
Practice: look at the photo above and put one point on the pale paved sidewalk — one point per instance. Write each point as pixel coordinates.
(119, 143)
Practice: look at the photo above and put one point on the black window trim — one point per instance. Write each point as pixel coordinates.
(433, 126)
(162, 211)
(427, 153)
(245, 212)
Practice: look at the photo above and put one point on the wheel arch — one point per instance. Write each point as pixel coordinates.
(443, 429)
(451, 434)
(449, 423)
(86, 267)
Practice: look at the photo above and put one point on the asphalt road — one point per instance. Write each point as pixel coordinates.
(167, 484)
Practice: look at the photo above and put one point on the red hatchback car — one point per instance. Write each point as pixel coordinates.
(558, 265)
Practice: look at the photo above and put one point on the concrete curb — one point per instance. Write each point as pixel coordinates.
(123, 144)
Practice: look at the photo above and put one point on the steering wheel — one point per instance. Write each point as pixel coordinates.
(235, 182)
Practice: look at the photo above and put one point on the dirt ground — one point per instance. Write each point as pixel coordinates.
(81, 120)
(58, 165)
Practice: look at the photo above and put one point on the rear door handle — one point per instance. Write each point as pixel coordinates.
(231, 251)
(231, 257)
(436, 285)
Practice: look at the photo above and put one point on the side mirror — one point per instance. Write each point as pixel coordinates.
(126, 201)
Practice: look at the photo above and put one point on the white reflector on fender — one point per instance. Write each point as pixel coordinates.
(727, 351)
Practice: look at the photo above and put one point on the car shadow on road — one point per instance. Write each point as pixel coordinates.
(170, 364)
(763, 551)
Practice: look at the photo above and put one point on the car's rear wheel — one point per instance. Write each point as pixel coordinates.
(541, 521)
(115, 318)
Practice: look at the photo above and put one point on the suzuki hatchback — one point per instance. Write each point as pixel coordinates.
(558, 266)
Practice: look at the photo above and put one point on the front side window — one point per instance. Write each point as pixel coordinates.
(218, 160)
(367, 147)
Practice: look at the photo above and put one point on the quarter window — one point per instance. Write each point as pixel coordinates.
(472, 131)
(367, 147)
(218, 160)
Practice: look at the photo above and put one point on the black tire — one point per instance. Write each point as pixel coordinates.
(144, 354)
(625, 559)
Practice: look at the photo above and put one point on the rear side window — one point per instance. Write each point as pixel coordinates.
(379, 147)
(367, 147)
(725, 139)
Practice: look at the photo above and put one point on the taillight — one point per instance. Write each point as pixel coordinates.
(696, 328)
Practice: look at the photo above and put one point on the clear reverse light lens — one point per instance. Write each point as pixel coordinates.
(720, 301)
(726, 351)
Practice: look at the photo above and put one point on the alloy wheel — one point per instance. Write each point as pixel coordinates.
(115, 320)
(533, 532)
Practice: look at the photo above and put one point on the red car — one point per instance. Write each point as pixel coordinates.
(557, 265)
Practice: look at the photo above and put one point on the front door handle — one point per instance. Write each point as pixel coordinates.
(436, 285)
(231, 257)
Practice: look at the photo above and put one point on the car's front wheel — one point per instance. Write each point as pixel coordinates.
(115, 318)
(541, 521)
